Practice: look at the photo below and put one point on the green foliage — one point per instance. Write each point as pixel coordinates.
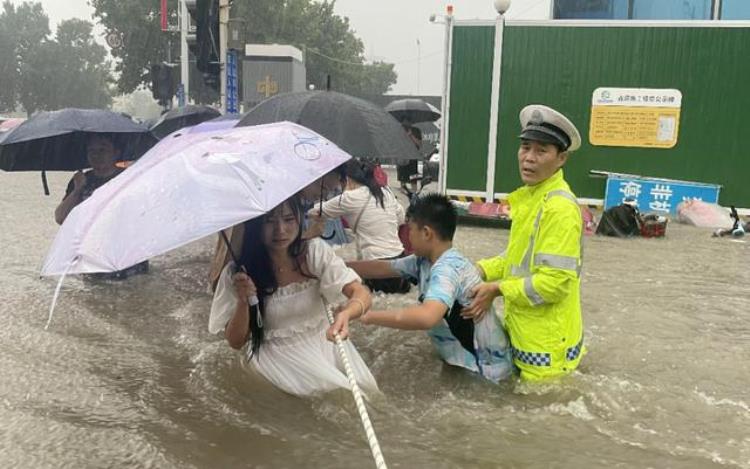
(138, 23)
(22, 29)
(39, 72)
(331, 47)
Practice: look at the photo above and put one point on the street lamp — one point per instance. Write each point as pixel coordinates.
(497, 59)
(447, 20)
(501, 6)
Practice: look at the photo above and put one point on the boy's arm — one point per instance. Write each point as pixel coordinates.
(373, 269)
(419, 317)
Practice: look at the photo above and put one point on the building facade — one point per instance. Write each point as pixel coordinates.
(270, 69)
(652, 10)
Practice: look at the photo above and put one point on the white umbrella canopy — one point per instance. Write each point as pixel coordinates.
(189, 186)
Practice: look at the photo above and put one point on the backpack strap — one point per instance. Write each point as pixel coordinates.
(356, 224)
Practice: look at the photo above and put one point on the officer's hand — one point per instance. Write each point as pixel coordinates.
(473, 314)
(482, 296)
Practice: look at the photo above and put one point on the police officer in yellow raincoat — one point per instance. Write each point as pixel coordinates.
(539, 273)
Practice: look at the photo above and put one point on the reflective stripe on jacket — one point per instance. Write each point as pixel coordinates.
(539, 276)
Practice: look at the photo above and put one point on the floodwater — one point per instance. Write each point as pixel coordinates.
(128, 376)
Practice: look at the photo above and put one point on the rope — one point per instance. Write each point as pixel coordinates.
(372, 439)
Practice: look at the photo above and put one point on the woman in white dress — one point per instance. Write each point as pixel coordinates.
(374, 215)
(287, 336)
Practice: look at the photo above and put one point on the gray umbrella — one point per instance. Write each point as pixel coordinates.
(56, 140)
(413, 110)
(180, 117)
(358, 127)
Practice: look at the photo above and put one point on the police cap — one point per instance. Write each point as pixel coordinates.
(543, 124)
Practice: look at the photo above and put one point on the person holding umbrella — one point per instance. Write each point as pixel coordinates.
(309, 195)
(58, 140)
(408, 112)
(406, 172)
(272, 301)
(102, 154)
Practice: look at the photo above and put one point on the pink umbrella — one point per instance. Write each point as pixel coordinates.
(189, 186)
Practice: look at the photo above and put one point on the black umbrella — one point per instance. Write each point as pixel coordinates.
(180, 117)
(56, 140)
(413, 110)
(358, 127)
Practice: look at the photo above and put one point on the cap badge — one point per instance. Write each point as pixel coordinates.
(536, 118)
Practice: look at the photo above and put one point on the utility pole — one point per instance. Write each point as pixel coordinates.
(419, 62)
(184, 17)
(223, 40)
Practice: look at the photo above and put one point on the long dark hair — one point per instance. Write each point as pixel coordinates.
(364, 173)
(257, 262)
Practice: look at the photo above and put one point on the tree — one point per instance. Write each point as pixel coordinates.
(22, 30)
(44, 73)
(8, 68)
(86, 80)
(332, 49)
(71, 71)
(138, 23)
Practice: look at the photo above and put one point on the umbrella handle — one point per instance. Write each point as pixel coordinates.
(229, 248)
(253, 301)
(44, 182)
(320, 212)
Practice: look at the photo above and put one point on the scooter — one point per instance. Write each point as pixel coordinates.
(422, 182)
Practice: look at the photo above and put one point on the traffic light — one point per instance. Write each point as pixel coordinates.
(212, 80)
(205, 45)
(163, 83)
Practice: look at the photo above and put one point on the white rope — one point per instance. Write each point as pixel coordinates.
(372, 439)
(57, 292)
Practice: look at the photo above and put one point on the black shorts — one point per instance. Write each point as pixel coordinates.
(140, 268)
(389, 285)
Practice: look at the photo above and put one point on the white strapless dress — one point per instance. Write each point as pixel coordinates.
(295, 355)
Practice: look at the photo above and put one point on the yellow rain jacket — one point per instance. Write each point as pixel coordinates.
(539, 276)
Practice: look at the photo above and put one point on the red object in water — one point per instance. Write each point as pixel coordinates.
(653, 227)
(589, 221)
(163, 15)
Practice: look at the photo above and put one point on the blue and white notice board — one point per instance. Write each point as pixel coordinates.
(656, 195)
